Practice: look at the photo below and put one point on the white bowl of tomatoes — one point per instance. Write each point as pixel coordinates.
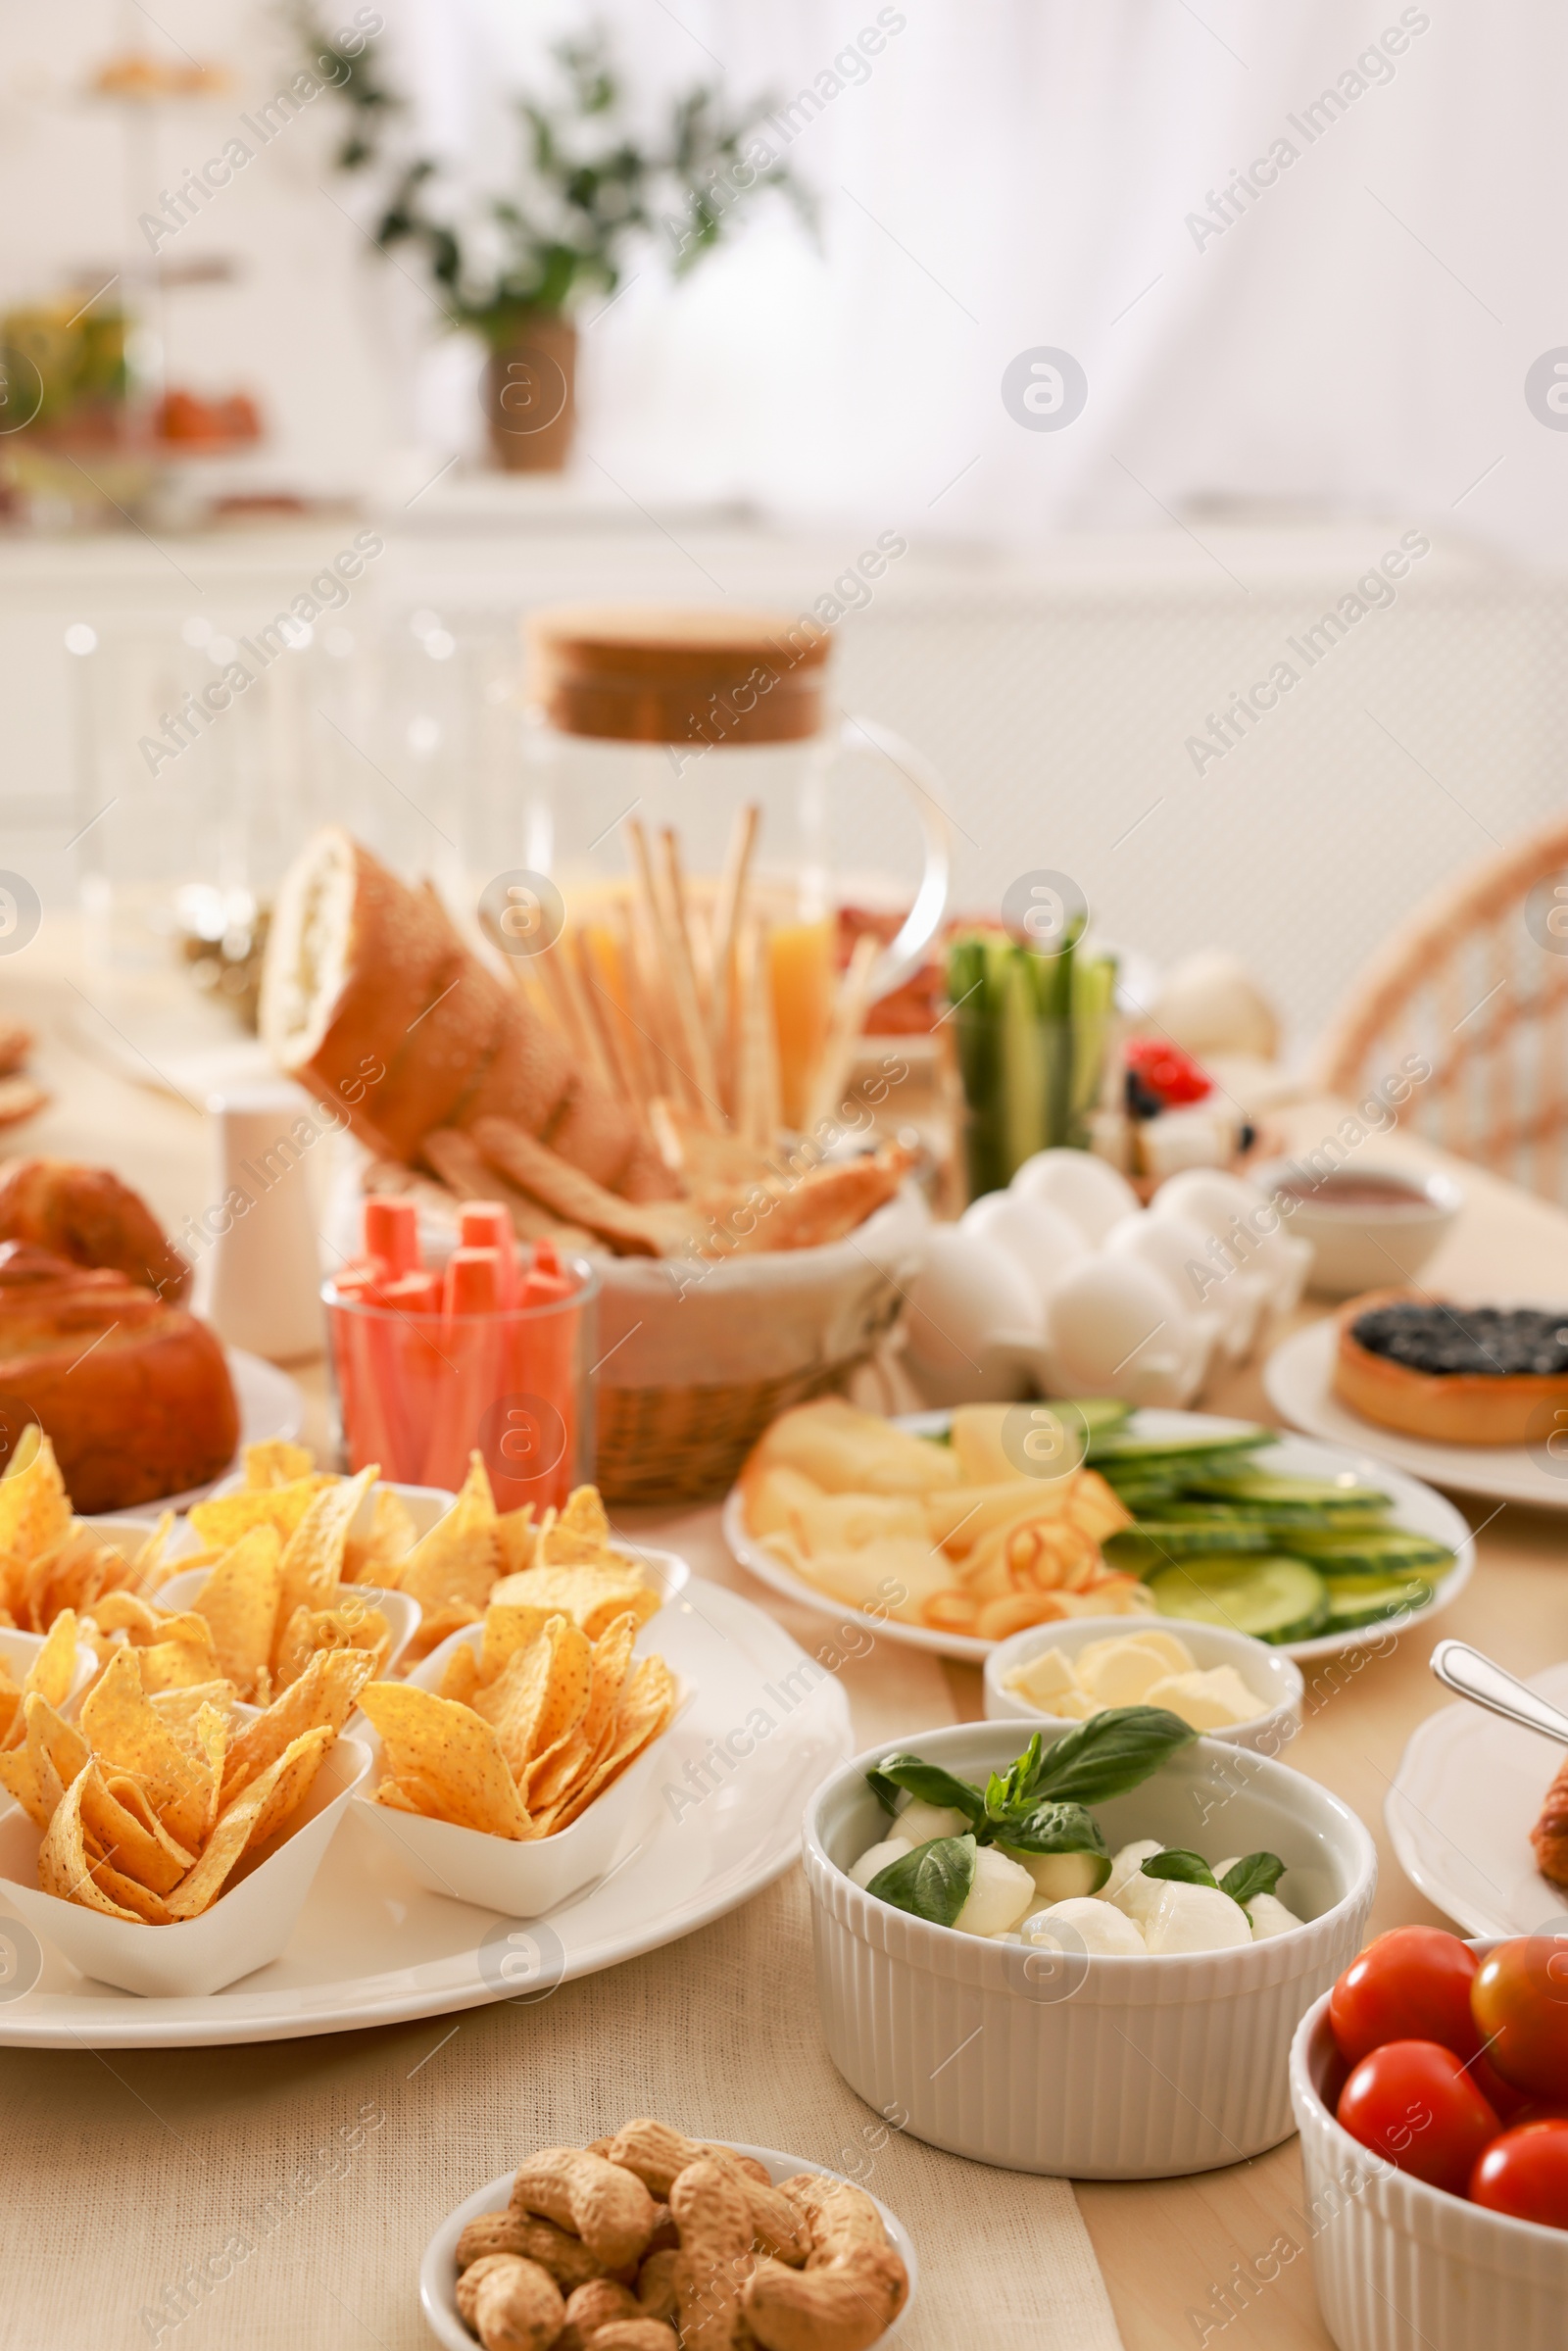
(1431, 2090)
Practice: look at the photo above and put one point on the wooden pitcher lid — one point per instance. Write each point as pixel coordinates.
(669, 673)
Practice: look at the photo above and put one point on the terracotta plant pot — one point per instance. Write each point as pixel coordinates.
(531, 405)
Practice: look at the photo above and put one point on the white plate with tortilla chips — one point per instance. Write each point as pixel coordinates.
(372, 1947)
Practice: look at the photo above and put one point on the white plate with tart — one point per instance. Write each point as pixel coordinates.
(1468, 1791)
(1313, 1548)
(1303, 1381)
(374, 1946)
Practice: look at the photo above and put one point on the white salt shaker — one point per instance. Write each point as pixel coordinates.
(255, 1243)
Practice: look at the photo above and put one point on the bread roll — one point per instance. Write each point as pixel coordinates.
(134, 1395)
(89, 1217)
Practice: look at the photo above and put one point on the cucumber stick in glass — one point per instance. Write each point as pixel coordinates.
(1032, 1031)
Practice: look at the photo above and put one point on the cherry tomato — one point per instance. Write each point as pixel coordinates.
(1412, 1983)
(1526, 2172)
(1520, 2002)
(1412, 2101)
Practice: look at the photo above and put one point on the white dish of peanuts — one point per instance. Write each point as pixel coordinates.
(648, 2241)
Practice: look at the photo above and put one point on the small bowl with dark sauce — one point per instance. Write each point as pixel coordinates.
(1370, 1226)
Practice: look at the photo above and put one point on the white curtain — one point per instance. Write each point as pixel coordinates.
(1003, 175)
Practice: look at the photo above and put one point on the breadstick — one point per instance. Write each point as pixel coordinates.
(730, 908)
(694, 1028)
(850, 1007)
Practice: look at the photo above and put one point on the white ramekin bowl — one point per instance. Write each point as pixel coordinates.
(1274, 1677)
(1383, 1233)
(1095, 2067)
(1400, 2265)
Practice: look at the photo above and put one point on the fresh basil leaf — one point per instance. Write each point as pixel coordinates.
(1186, 1869)
(1110, 1754)
(1014, 1791)
(1254, 1873)
(1053, 1829)
(931, 1883)
(928, 1781)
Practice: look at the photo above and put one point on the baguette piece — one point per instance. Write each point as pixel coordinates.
(463, 1168)
(371, 1000)
(1550, 1836)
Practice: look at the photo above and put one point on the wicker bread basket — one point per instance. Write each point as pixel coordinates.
(696, 1359)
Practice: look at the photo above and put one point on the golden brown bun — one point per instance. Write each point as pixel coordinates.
(1443, 1407)
(134, 1395)
(89, 1217)
(370, 998)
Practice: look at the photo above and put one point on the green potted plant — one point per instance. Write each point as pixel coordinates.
(513, 266)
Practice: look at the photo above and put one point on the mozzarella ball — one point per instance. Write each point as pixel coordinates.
(1270, 1916)
(877, 1857)
(1059, 1877)
(1214, 1700)
(1194, 1917)
(1121, 1673)
(1095, 1926)
(1126, 1886)
(920, 1821)
(999, 1896)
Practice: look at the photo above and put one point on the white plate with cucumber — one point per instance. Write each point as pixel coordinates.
(1315, 1549)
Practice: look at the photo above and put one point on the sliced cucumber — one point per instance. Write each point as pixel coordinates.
(1143, 1548)
(1101, 1415)
(1372, 1552)
(1282, 1518)
(1273, 1597)
(1179, 1450)
(1258, 1490)
(1355, 1600)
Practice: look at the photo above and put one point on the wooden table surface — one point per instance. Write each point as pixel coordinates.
(1168, 2248)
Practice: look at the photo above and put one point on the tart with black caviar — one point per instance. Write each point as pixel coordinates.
(1456, 1375)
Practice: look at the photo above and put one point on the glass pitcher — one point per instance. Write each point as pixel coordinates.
(685, 773)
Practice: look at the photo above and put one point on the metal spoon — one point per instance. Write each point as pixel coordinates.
(1485, 1684)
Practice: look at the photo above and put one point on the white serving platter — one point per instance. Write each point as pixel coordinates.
(373, 1947)
(1299, 1378)
(1415, 1508)
(438, 2273)
(1467, 1794)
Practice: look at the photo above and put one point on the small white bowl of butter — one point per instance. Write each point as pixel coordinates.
(1226, 1684)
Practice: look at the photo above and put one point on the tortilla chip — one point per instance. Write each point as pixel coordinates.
(221, 1520)
(127, 1734)
(184, 1658)
(457, 1562)
(515, 1702)
(516, 1540)
(181, 1709)
(127, 1612)
(507, 1628)
(592, 1596)
(276, 1462)
(462, 1676)
(311, 1567)
(581, 1531)
(133, 1839)
(647, 1709)
(51, 1671)
(10, 1705)
(436, 1626)
(326, 1693)
(611, 1665)
(39, 1771)
(312, 1629)
(136, 1899)
(239, 1602)
(34, 1507)
(251, 1818)
(376, 1557)
(448, 1758)
(65, 1864)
